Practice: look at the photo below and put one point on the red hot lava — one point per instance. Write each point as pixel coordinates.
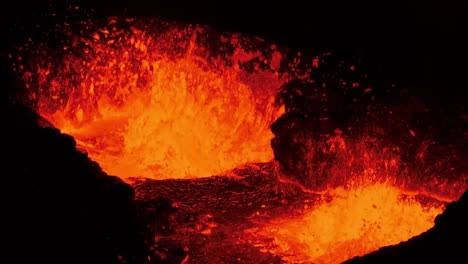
(171, 104)
(142, 112)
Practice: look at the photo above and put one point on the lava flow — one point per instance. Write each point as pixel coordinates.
(162, 101)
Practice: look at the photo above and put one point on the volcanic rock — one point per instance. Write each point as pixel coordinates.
(58, 205)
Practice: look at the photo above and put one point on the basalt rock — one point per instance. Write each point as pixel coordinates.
(337, 102)
(58, 205)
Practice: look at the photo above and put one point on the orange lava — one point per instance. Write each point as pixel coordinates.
(163, 105)
(348, 222)
(142, 111)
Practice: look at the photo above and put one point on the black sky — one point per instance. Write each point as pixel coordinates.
(419, 42)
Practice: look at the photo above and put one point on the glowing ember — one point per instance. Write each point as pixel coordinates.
(349, 222)
(139, 110)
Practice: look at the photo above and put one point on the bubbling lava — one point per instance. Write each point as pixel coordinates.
(141, 111)
(364, 205)
(347, 222)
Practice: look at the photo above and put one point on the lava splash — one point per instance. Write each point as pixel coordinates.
(158, 104)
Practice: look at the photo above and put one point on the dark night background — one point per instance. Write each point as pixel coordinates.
(418, 43)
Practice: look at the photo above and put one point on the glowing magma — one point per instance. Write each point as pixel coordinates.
(160, 105)
(366, 202)
(348, 222)
(143, 112)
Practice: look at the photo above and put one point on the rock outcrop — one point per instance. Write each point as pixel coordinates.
(58, 205)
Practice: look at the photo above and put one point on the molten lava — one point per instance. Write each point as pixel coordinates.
(141, 112)
(347, 222)
(184, 102)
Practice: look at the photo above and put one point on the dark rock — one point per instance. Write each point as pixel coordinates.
(338, 98)
(168, 251)
(58, 206)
